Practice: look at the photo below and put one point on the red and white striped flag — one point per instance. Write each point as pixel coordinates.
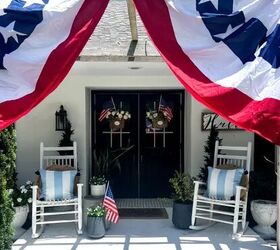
(165, 109)
(110, 206)
(40, 40)
(225, 53)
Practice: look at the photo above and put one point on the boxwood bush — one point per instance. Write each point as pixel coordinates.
(7, 181)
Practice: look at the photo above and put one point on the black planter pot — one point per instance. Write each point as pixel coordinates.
(95, 227)
(181, 215)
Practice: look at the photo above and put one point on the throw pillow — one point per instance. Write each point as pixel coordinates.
(221, 183)
(57, 185)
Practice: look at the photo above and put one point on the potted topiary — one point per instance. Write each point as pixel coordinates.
(183, 187)
(96, 221)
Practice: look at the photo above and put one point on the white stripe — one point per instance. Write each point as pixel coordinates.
(50, 185)
(229, 181)
(214, 182)
(256, 79)
(66, 192)
(25, 64)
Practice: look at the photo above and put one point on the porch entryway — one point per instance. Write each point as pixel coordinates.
(157, 150)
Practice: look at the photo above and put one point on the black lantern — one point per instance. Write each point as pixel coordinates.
(61, 119)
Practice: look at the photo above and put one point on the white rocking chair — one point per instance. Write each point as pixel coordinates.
(49, 156)
(230, 212)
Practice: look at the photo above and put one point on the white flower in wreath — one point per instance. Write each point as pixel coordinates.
(125, 117)
(155, 115)
(148, 114)
(19, 200)
(10, 191)
(129, 116)
(29, 182)
(117, 113)
(109, 113)
(24, 191)
(127, 113)
(22, 187)
(114, 112)
(122, 112)
(120, 116)
(29, 200)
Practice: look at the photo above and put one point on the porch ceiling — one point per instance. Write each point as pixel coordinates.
(112, 39)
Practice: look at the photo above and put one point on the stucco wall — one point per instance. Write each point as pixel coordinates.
(39, 124)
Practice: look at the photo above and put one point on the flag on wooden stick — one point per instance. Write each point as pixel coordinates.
(112, 213)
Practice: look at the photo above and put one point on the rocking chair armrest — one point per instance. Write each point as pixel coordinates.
(35, 192)
(80, 188)
(241, 193)
(34, 187)
(199, 183)
(239, 188)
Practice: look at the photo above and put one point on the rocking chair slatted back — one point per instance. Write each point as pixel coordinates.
(221, 158)
(50, 156)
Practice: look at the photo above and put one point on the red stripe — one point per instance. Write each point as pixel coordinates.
(103, 114)
(110, 206)
(261, 117)
(58, 64)
(110, 200)
(110, 216)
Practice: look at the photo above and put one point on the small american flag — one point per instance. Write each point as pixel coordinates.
(165, 109)
(110, 206)
(107, 107)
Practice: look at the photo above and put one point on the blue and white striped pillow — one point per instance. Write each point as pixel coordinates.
(221, 183)
(57, 185)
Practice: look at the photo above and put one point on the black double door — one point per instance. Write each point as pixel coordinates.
(156, 153)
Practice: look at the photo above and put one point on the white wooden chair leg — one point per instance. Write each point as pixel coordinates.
(194, 203)
(244, 213)
(42, 218)
(236, 210)
(34, 211)
(80, 211)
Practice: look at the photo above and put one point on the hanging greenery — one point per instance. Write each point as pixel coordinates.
(7, 181)
(209, 149)
(66, 138)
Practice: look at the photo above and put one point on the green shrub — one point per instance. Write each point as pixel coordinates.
(7, 181)
(7, 214)
(183, 186)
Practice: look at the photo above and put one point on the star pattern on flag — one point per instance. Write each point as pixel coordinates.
(9, 31)
(30, 2)
(228, 32)
(214, 2)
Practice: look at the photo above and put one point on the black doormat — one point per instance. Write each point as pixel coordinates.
(143, 213)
